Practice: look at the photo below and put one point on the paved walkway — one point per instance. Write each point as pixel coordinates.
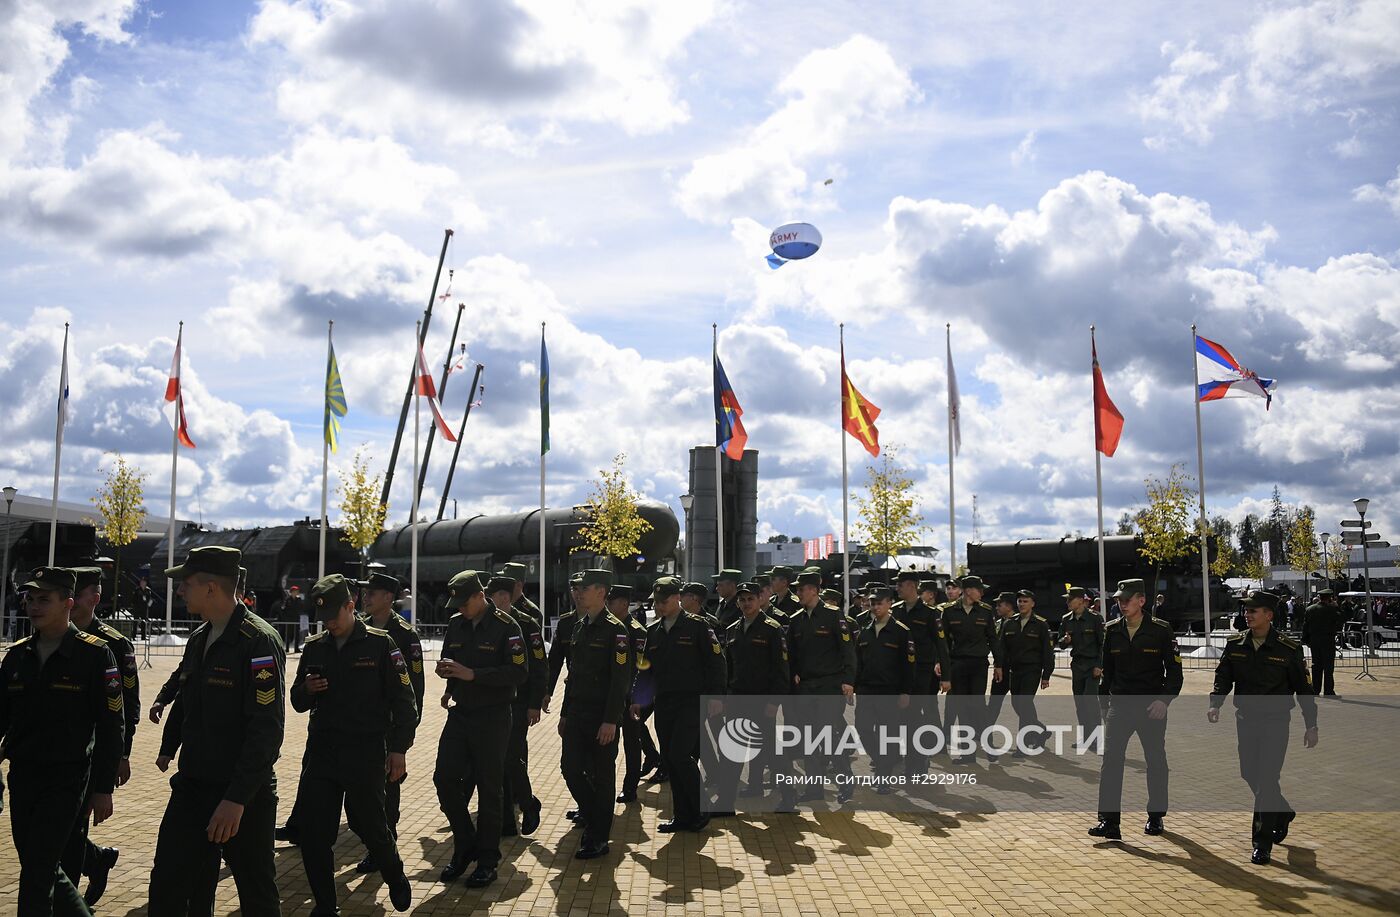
(818, 864)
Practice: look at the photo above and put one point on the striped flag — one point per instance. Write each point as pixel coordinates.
(1225, 377)
(63, 389)
(175, 400)
(336, 406)
(427, 389)
(857, 414)
(729, 428)
(544, 395)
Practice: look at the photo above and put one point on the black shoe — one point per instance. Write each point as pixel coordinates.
(401, 893)
(591, 851)
(456, 868)
(659, 777)
(723, 813)
(288, 834)
(571, 815)
(649, 765)
(1261, 856)
(670, 827)
(1018, 755)
(1154, 825)
(627, 796)
(367, 865)
(530, 816)
(97, 883)
(482, 877)
(700, 824)
(508, 829)
(991, 759)
(884, 789)
(845, 794)
(1106, 829)
(963, 760)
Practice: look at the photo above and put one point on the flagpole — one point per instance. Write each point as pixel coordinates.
(174, 467)
(719, 459)
(952, 524)
(325, 460)
(413, 512)
(845, 487)
(544, 606)
(58, 444)
(1098, 489)
(1201, 480)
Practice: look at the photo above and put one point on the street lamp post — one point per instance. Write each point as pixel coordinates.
(5, 570)
(1326, 572)
(1361, 504)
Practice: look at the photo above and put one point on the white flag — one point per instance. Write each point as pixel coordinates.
(63, 392)
(954, 403)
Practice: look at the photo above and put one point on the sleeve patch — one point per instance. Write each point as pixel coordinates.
(621, 647)
(114, 683)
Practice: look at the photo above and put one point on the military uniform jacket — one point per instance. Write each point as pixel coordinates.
(888, 660)
(125, 655)
(1085, 637)
(726, 614)
(66, 712)
(230, 706)
(493, 647)
(531, 695)
(1025, 644)
(821, 647)
(405, 637)
(1275, 670)
(757, 658)
(926, 627)
(559, 646)
(971, 632)
(687, 659)
(600, 669)
(1148, 664)
(368, 693)
(782, 609)
(637, 645)
(529, 609)
(1321, 624)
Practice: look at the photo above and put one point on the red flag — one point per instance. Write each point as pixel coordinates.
(1108, 421)
(427, 389)
(175, 401)
(858, 415)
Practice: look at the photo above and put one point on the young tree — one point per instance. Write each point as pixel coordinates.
(1125, 524)
(361, 514)
(1226, 563)
(613, 528)
(886, 520)
(1247, 536)
(1165, 524)
(1336, 558)
(1252, 568)
(119, 504)
(1300, 547)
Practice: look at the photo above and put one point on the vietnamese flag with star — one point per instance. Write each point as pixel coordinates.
(858, 414)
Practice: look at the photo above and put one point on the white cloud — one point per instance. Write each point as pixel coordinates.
(831, 95)
(1025, 151)
(1189, 98)
(1389, 194)
(1309, 56)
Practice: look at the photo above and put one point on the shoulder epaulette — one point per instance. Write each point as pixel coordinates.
(1114, 623)
(1289, 642)
(378, 632)
(23, 640)
(248, 628)
(110, 631)
(766, 620)
(505, 616)
(1160, 622)
(317, 636)
(1040, 618)
(611, 619)
(900, 624)
(398, 620)
(89, 638)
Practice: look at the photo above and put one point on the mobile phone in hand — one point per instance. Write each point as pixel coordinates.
(314, 671)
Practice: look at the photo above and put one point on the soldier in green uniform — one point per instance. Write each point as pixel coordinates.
(595, 696)
(683, 660)
(1029, 657)
(783, 604)
(83, 857)
(692, 599)
(379, 592)
(524, 713)
(887, 676)
(726, 586)
(224, 792)
(931, 650)
(823, 668)
(1141, 676)
(969, 625)
(1322, 621)
(928, 593)
(563, 636)
(61, 720)
(1005, 605)
(354, 681)
(638, 750)
(764, 582)
(757, 662)
(1266, 670)
(484, 661)
(518, 572)
(1082, 631)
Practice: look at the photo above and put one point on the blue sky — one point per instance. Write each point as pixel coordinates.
(612, 168)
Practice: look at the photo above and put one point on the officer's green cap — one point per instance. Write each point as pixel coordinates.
(732, 576)
(1261, 599)
(576, 579)
(910, 576)
(596, 577)
(763, 579)
(1324, 591)
(784, 571)
(500, 583)
(462, 587)
(928, 585)
(832, 595)
(699, 589)
(213, 559)
(84, 577)
(1025, 594)
(665, 587)
(1127, 588)
(242, 579)
(878, 593)
(619, 591)
(972, 582)
(329, 595)
(515, 571)
(809, 578)
(383, 582)
(747, 589)
(1007, 597)
(51, 578)
(1076, 592)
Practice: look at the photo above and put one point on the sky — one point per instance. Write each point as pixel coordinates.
(612, 168)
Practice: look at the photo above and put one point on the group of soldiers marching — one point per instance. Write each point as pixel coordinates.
(70, 706)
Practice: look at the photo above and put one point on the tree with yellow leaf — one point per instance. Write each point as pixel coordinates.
(886, 521)
(120, 505)
(614, 528)
(362, 515)
(1164, 526)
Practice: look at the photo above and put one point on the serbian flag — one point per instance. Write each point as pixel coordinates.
(857, 414)
(174, 400)
(1222, 376)
(1108, 420)
(427, 389)
(729, 429)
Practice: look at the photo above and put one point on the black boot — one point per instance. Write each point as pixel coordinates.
(1106, 829)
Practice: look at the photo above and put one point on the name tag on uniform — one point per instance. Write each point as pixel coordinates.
(1150, 649)
(760, 641)
(218, 682)
(1276, 659)
(890, 646)
(486, 646)
(823, 631)
(364, 664)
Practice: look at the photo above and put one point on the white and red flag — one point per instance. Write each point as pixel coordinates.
(174, 409)
(428, 389)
